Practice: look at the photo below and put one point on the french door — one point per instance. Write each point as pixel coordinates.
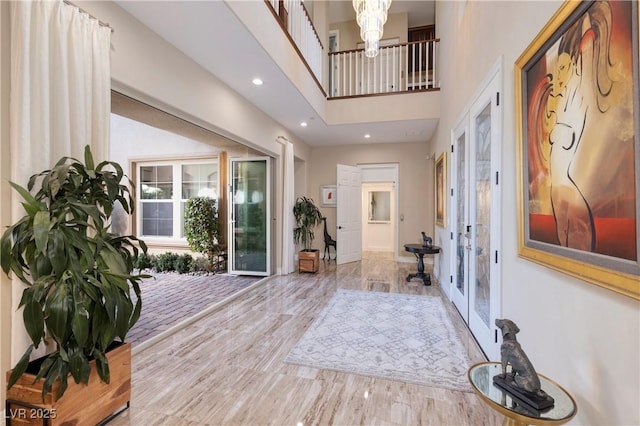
(460, 230)
(249, 216)
(476, 147)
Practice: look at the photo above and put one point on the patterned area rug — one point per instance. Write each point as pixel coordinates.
(392, 336)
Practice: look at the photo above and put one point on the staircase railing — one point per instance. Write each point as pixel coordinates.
(295, 20)
(397, 68)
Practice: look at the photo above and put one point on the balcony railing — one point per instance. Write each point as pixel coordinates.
(398, 68)
(297, 24)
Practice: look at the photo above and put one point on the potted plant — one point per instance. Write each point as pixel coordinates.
(307, 216)
(78, 279)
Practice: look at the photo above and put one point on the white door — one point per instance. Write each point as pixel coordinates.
(249, 216)
(348, 214)
(476, 230)
(461, 243)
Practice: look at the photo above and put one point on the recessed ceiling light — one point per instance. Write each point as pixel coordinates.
(367, 136)
(257, 81)
(303, 124)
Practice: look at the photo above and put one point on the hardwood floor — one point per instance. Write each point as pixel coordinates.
(228, 368)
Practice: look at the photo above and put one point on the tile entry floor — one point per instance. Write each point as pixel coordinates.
(228, 367)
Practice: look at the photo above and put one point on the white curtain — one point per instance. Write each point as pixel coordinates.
(60, 85)
(288, 247)
(59, 99)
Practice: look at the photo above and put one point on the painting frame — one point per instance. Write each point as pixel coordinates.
(328, 195)
(440, 196)
(597, 263)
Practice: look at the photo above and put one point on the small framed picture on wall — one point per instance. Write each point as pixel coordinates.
(328, 195)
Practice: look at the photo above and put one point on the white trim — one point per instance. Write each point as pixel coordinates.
(389, 172)
(231, 236)
(335, 33)
(176, 200)
(485, 94)
(458, 300)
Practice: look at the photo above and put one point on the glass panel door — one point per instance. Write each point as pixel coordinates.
(482, 216)
(249, 221)
(460, 200)
(484, 211)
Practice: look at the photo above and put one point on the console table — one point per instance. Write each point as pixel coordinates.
(419, 251)
(517, 412)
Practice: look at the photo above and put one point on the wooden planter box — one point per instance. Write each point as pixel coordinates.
(309, 261)
(81, 404)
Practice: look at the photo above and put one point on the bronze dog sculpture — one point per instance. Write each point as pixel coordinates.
(523, 376)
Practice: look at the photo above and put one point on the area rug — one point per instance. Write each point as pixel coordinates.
(392, 336)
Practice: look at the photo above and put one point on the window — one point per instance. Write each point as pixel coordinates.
(164, 188)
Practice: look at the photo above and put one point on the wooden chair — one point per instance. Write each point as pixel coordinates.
(328, 242)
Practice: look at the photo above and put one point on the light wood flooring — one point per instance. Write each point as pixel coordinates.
(228, 367)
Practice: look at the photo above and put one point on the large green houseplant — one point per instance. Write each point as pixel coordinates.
(307, 216)
(78, 275)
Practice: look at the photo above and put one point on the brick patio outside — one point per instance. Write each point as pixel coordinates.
(171, 298)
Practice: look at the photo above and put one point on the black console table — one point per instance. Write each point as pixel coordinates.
(419, 251)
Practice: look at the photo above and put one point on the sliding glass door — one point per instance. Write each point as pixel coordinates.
(250, 219)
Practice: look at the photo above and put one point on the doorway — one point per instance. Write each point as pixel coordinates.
(378, 219)
(381, 235)
(476, 145)
(250, 216)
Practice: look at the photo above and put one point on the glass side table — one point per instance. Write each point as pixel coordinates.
(518, 413)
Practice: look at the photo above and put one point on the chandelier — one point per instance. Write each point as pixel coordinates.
(371, 16)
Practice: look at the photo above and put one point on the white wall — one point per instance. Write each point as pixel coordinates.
(147, 68)
(395, 27)
(133, 140)
(414, 189)
(584, 337)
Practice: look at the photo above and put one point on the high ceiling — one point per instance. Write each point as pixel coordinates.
(201, 29)
(420, 12)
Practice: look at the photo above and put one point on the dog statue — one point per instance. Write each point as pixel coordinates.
(523, 376)
(426, 241)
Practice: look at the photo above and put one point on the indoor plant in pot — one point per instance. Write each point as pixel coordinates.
(307, 216)
(78, 279)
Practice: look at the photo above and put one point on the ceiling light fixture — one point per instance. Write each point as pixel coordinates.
(367, 136)
(303, 124)
(257, 81)
(371, 16)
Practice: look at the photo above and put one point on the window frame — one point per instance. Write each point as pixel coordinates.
(176, 199)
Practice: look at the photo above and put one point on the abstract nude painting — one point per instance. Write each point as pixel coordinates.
(577, 113)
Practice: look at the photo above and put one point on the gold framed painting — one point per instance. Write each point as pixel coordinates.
(440, 179)
(577, 116)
